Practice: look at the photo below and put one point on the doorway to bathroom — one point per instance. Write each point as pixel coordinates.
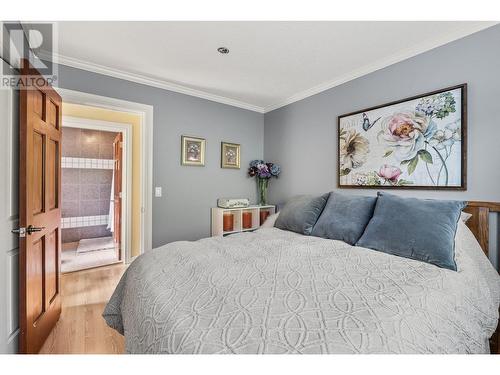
(94, 176)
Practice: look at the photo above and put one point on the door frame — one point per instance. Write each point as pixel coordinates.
(145, 113)
(126, 130)
(9, 209)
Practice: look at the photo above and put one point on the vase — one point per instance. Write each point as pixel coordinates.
(262, 190)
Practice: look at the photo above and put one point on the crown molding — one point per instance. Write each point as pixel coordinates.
(382, 63)
(144, 80)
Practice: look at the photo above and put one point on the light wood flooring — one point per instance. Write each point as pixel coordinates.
(81, 328)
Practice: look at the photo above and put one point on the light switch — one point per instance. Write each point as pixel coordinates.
(158, 191)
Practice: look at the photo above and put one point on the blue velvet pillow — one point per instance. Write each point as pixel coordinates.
(301, 213)
(345, 217)
(420, 229)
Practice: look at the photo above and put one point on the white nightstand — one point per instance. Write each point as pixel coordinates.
(218, 218)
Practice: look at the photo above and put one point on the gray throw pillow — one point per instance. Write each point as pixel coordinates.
(345, 217)
(421, 229)
(301, 213)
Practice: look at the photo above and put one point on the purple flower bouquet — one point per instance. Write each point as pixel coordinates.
(263, 172)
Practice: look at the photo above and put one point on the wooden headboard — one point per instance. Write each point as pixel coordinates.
(479, 225)
(479, 222)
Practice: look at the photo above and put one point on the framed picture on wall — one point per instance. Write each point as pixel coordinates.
(230, 155)
(193, 151)
(414, 143)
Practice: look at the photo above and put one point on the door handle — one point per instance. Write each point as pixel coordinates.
(32, 229)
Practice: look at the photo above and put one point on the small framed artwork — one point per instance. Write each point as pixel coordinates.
(414, 143)
(193, 151)
(230, 155)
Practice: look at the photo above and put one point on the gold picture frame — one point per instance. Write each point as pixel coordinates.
(230, 155)
(192, 151)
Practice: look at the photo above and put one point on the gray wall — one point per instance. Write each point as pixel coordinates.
(183, 213)
(302, 136)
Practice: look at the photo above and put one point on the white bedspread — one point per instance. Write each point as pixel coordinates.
(274, 291)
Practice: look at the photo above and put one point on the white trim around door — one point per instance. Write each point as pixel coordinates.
(145, 113)
(126, 130)
(9, 219)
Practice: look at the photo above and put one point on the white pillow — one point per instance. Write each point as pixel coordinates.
(269, 223)
(464, 216)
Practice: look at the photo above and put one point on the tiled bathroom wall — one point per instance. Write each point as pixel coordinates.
(87, 172)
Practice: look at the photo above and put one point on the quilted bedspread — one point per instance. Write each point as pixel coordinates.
(273, 291)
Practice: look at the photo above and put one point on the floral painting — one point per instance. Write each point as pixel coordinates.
(192, 151)
(230, 155)
(414, 143)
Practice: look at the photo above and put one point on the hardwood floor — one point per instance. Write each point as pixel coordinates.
(81, 328)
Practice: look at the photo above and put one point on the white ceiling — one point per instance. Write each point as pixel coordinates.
(270, 64)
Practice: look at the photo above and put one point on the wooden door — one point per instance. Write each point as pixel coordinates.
(39, 213)
(117, 194)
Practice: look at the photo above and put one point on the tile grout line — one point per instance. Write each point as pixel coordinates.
(86, 163)
(83, 221)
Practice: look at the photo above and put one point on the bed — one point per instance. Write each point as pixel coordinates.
(275, 291)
